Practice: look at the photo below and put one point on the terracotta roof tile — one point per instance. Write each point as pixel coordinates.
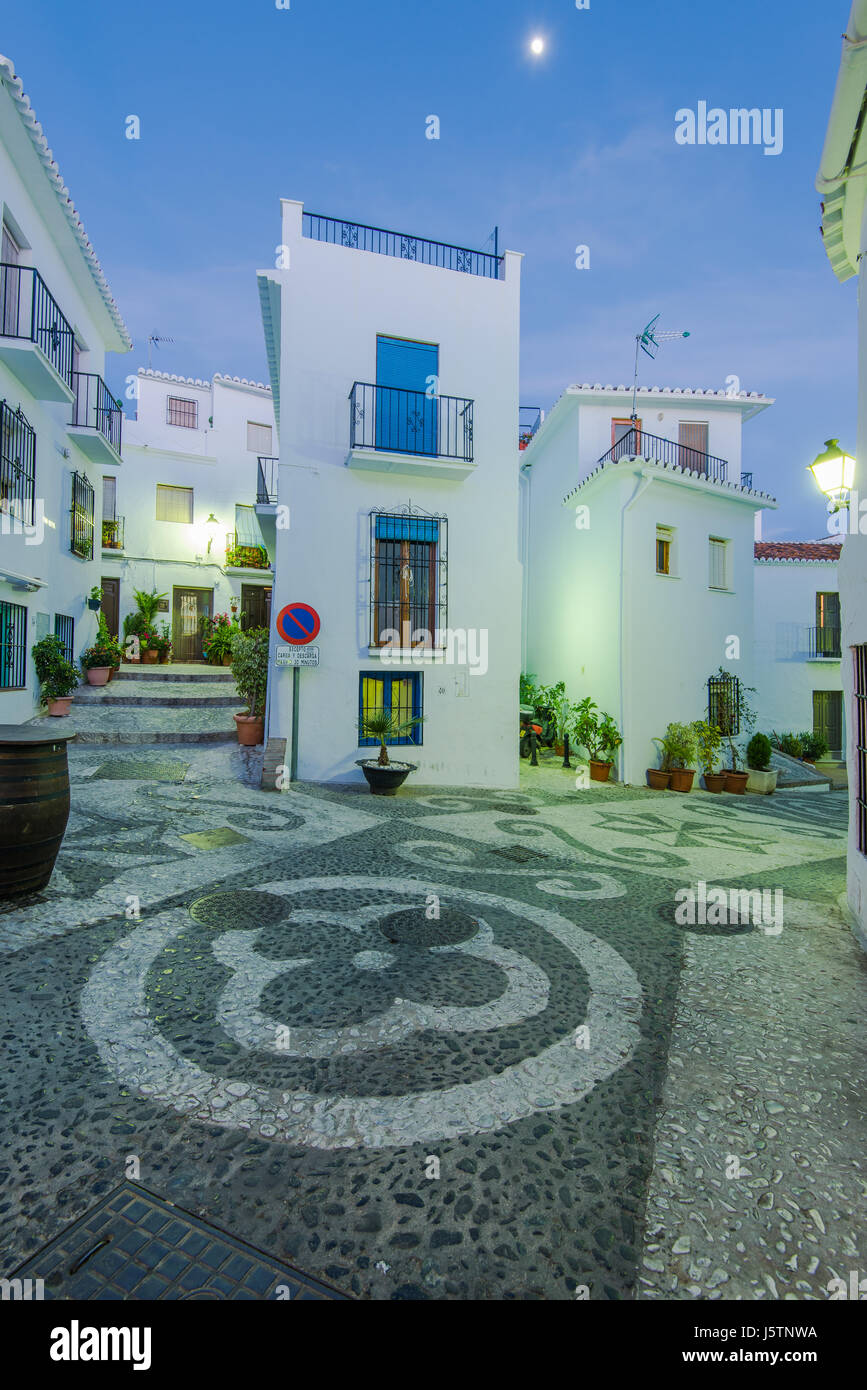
(798, 550)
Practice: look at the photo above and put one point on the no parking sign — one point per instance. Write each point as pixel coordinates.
(298, 624)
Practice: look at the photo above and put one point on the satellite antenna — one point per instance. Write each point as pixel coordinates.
(649, 341)
(154, 340)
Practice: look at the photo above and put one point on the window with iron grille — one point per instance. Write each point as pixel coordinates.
(13, 646)
(723, 704)
(64, 628)
(17, 465)
(402, 696)
(180, 411)
(81, 517)
(408, 579)
(860, 710)
(174, 503)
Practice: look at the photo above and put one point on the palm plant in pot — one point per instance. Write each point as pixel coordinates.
(678, 751)
(383, 776)
(708, 740)
(597, 732)
(58, 678)
(250, 669)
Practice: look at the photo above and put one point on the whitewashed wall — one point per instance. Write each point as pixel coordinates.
(786, 675)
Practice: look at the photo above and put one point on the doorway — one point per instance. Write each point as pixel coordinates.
(255, 606)
(407, 390)
(188, 607)
(111, 604)
(828, 719)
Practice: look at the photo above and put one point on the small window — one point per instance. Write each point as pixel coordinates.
(182, 412)
(109, 498)
(174, 503)
(664, 539)
(719, 563)
(13, 646)
(402, 696)
(64, 628)
(692, 445)
(259, 439)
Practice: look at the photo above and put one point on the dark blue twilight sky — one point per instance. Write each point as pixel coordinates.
(242, 103)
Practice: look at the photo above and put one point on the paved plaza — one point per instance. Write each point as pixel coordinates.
(455, 1045)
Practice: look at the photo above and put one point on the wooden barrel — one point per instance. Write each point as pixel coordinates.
(34, 804)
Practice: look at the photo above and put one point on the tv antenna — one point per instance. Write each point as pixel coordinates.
(649, 341)
(154, 340)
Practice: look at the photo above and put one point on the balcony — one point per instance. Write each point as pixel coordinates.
(97, 419)
(392, 430)
(824, 644)
(36, 341)
(266, 490)
(240, 556)
(112, 533)
(529, 419)
(359, 237)
(639, 444)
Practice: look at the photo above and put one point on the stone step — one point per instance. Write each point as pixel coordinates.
(97, 724)
(174, 672)
(150, 694)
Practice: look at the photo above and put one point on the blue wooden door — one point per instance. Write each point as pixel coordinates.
(407, 412)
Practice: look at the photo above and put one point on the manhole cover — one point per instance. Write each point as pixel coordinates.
(237, 910)
(414, 928)
(215, 839)
(133, 1245)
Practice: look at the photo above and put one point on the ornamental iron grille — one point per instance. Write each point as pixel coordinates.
(17, 465)
(29, 310)
(81, 517)
(95, 408)
(381, 242)
(13, 646)
(723, 704)
(401, 696)
(397, 421)
(408, 580)
(64, 628)
(860, 711)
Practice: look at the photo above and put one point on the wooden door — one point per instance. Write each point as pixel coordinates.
(255, 606)
(188, 606)
(111, 604)
(828, 719)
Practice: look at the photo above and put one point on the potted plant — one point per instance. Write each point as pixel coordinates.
(760, 777)
(94, 601)
(382, 775)
(814, 747)
(597, 732)
(164, 645)
(735, 711)
(250, 669)
(678, 751)
(217, 638)
(708, 743)
(58, 678)
(96, 663)
(148, 639)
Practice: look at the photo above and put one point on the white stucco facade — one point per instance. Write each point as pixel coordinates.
(598, 615)
(48, 362)
(191, 453)
(323, 314)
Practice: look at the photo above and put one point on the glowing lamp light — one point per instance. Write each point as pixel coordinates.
(212, 524)
(537, 46)
(834, 472)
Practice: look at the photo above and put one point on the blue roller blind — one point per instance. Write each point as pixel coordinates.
(404, 528)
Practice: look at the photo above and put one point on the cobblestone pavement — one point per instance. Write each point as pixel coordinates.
(452, 1045)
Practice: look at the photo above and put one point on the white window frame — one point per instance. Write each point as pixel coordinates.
(266, 451)
(665, 533)
(726, 585)
(162, 490)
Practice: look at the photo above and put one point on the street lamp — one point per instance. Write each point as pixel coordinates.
(212, 524)
(834, 472)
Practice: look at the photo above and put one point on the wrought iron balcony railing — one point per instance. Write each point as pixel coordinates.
(244, 556)
(29, 310)
(112, 533)
(746, 480)
(95, 408)
(266, 489)
(17, 465)
(360, 237)
(637, 443)
(824, 642)
(410, 422)
(529, 420)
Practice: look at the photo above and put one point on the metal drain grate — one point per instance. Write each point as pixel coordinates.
(519, 854)
(133, 1245)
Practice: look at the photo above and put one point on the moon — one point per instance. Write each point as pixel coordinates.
(537, 46)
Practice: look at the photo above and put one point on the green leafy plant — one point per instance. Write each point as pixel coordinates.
(529, 689)
(708, 740)
(96, 594)
(250, 667)
(57, 676)
(218, 636)
(148, 604)
(814, 746)
(790, 744)
(596, 731)
(759, 751)
(734, 709)
(387, 726)
(97, 656)
(678, 746)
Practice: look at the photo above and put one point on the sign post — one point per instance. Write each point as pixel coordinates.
(298, 624)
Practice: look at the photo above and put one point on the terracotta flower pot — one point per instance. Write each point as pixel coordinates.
(736, 782)
(682, 779)
(227, 660)
(150, 656)
(657, 779)
(251, 729)
(98, 675)
(59, 708)
(714, 781)
(599, 772)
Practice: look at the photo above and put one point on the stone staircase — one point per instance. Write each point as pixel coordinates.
(157, 704)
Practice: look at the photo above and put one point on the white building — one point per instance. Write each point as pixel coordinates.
(842, 182)
(59, 425)
(394, 366)
(638, 546)
(191, 514)
(797, 639)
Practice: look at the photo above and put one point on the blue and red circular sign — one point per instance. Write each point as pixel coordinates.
(298, 624)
